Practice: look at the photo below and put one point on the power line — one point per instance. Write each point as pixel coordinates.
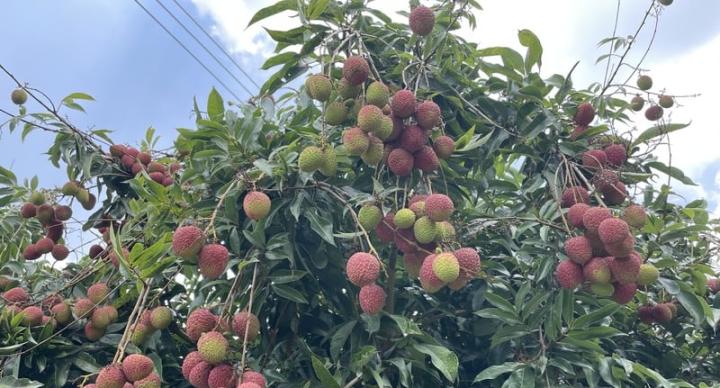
(204, 47)
(188, 51)
(218, 45)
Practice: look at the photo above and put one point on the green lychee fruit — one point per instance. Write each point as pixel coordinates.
(256, 205)
(602, 289)
(377, 94)
(648, 274)
(445, 231)
(597, 270)
(665, 101)
(356, 141)
(37, 198)
(61, 312)
(212, 260)
(374, 154)
(369, 217)
(422, 20)
(370, 118)
(424, 230)
(362, 269)
(19, 96)
(140, 333)
(335, 113)
(385, 129)
(70, 188)
(665, 2)
(329, 164)
(355, 70)
(644, 82)
(446, 267)
(404, 218)
(318, 87)
(347, 90)
(635, 216)
(213, 347)
(418, 208)
(245, 324)
(103, 316)
(310, 159)
(161, 317)
(137, 367)
(637, 103)
(151, 381)
(372, 299)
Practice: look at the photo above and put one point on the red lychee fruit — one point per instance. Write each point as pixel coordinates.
(385, 230)
(573, 195)
(83, 308)
(594, 159)
(428, 280)
(97, 292)
(221, 376)
(426, 160)
(403, 103)
(256, 205)
(250, 376)
(624, 293)
(355, 70)
(137, 367)
(400, 162)
(16, 295)
(578, 249)
(662, 313)
(575, 214)
(372, 299)
(200, 321)
(597, 270)
(246, 322)
(93, 333)
(439, 207)
(615, 194)
(713, 285)
(585, 114)
(469, 261)
(444, 146)
(605, 179)
(645, 313)
(413, 138)
(199, 374)
(569, 274)
(212, 260)
(32, 315)
(625, 270)
(28, 210)
(422, 20)
(654, 112)
(362, 269)
(44, 245)
(31, 252)
(190, 361)
(613, 230)
(427, 115)
(187, 241)
(616, 155)
(110, 376)
(594, 216)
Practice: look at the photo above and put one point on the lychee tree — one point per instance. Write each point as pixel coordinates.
(420, 212)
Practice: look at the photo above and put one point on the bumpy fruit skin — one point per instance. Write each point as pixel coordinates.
(355, 70)
(372, 299)
(377, 94)
(644, 82)
(189, 362)
(256, 205)
(403, 103)
(83, 308)
(374, 154)
(63, 213)
(243, 320)
(569, 274)
(212, 260)
(45, 214)
(248, 385)
(97, 292)
(602, 289)
(424, 230)
(648, 274)
(469, 261)
(362, 269)
(413, 138)
(385, 229)
(613, 230)
(426, 160)
(585, 114)
(212, 347)
(625, 270)
(446, 267)
(16, 295)
(28, 210)
(110, 376)
(594, 216)
(370, 118)
(422, 20)
(310, 159)
(654, 112)
(418, 208)
(250, 376)
(356, 141)
(200, 321)
(221, 376)
(662, 313)
(318, 87)
(400, 162)
(385, 130)
(18, 96)
(578, 249)
(594, 159)
(624, 293)
(161, 317)
(637, 103)
(439, 207)
(615, 194)
(137, 367)
(199, 374)
(604, 179)
(616, 155)
(151, 381)
(329, 165)
(621, 249)
(405, 241)
(444, 146)
(187, 241)
(428, 280)
(427, 115)
(103, 316)
(635, 216)
(575, 214)
(31, 252)
(335, 113)
(62, 313)
(445, 231)
(32, 315)
(645, 314)
(92, 333)
(404, 218)
(597, 270)
(573, 195)
(369, 216)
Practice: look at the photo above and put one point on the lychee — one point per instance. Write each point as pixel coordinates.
(654, 112)
(578, 249)
(403, 103)
(318, 87)
(213, 347)
(385, 230)
(662, 313)
(444, 146)
(335, 113)
(369, 216)
(637, 103)
(400, 162)
(469, 262)
(625, 270)
(648, 274)
(645, 314)
(404, 218)
(446, 267)
(256, 205)
(413, 138)
(374, 154)
(45, 214)
(221, 376)
(569, 274)
(424, 230)
(616, 155)
(103, 316)
(594, 216)
(200, 321)
(428, 280)
(427, 114)
(246, 322)
(83, 308)
(93, 333)
(95, 251)
(585, 114)
(426, 160)
(31, 252)
(713, 285)
(355, 70)
(55, 231)
(621, 249)
(151, 381)
(372, 299)
(362, 269)
(356, 141)
(644, 82)
(161, 317)
(602, 289)
(18, 96)
(418, 208)
(594, 159)
(16, 295)
(624, 293)
(187, 241)
(615, 194)
(212, 260)
(385, 130)
(110, 376)
(248, 385)
(137, 367)
(665, 101)
(412, 262)
(613, 230)
(60, 252)
(199, 374)
(439, 207)
(28, 210)
(573, 195)
(444, 232)
(37, 198)
(405, 241)
(32, 315)
(604, 179)
(575, 214)
(597, 270)
(61, 312)
(370, 118)
(635, 216)
(44, 245)
(422, 20)
(97, 292)
(189, 362)
(377, 94)
(250, 376)
(329, 164)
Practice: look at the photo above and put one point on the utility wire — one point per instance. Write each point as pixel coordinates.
(218, 45)
(172, 15)
(188, 51)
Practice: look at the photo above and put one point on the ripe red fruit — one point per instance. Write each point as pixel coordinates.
(60, 252)
(469, 261)
(200, 321)
(95, 251)
(662, 313)
(156, 167)
(569, 274)
(421, 20)
(127, 161)
(199, 374)
(54, 231)
(187, 241)
(256, 205)
(137, 367)
(212, 260)
(573, 195)
(413, 138)
(144, 158)
(83, 308)
(444, 146)
(578, 249)
(594, 159)
(44, 245)
(158, 177)
(97, 292)
(31, 252)
(45, 214)
(28, 210)
(625, 270)
(575, 214)
(645, 313)
(624, 293)
(405, 240)
(578, 131)
(221, 376)
(385, 230)
(400, 162)
(428, 280)
(594, 216)
(372, 299)
(250, 376)
(439, 207)
(615, 194)
(621, 249)
(585, 114)
(355, 70)
(32, 315)
(403, 103)
(427, 114)
(190, 361)
(654, 113)
(362, 269)
(245, 321)
(92, 333)
(616, 154)
(117, 150)
(713, 285)
(426, 160)
(613, 230)
(605, 179)
(110, 376)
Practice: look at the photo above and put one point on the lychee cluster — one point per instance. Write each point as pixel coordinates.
(655, 109)
(158, 318)
(84, 196)
(188, 242)
(51, 218)
(659, 313)
(99, 315)
(136, 370)
(604, 256)
(135, 162)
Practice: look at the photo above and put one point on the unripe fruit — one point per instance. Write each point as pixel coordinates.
(310, 159)
(245, 322)
(648, 274)
(329, 164)
(400, 162)
(424, 230)
(137, 367)
(625, 270)
(140, 333)
(356, 141)
(256, 205)
(637, 103)
(428, 280)
(151, 381)
(418, 208)
(403, 103)
(370, 118)
(161, 317)
(421, 20)
(335, 113)
(318, 87)
(16, 295)
(19, 96)
(61, 312)
(362, 269)
(372, 299)
(37, 198)
(644, 82)
(444, 146)
(97, 292)
(404, 218)
(654, 113)
(213, 347)
(385, 129)
(602, 289)
(377, 94)
(90, 203)
(103, 316)
(369, 216)
(374, 154)
(569, 274)
(446, 267)
(665, 101)
(212, 260)
(355, 70)
(444, 231)
(110, 376)
(585, 114)
(347, 90)
(635, 216)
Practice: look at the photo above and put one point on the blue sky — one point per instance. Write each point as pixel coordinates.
(140, 77)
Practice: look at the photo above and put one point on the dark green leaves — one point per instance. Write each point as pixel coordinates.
(534, 49)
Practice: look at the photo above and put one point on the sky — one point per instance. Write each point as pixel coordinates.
(142, 78)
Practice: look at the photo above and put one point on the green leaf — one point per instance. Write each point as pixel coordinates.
(673, 172)
(534, 48)
(316, 8)
(283, 5)
(442, 358)
(12, 382)
(360, 358)
(656, 131)
(594, 332)
(406, 326)
(321, 225)
(595, 316)
(289, 293)
(509, 56)
(494, 371)
(340, 337)
(323, 374)
(215, 106)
